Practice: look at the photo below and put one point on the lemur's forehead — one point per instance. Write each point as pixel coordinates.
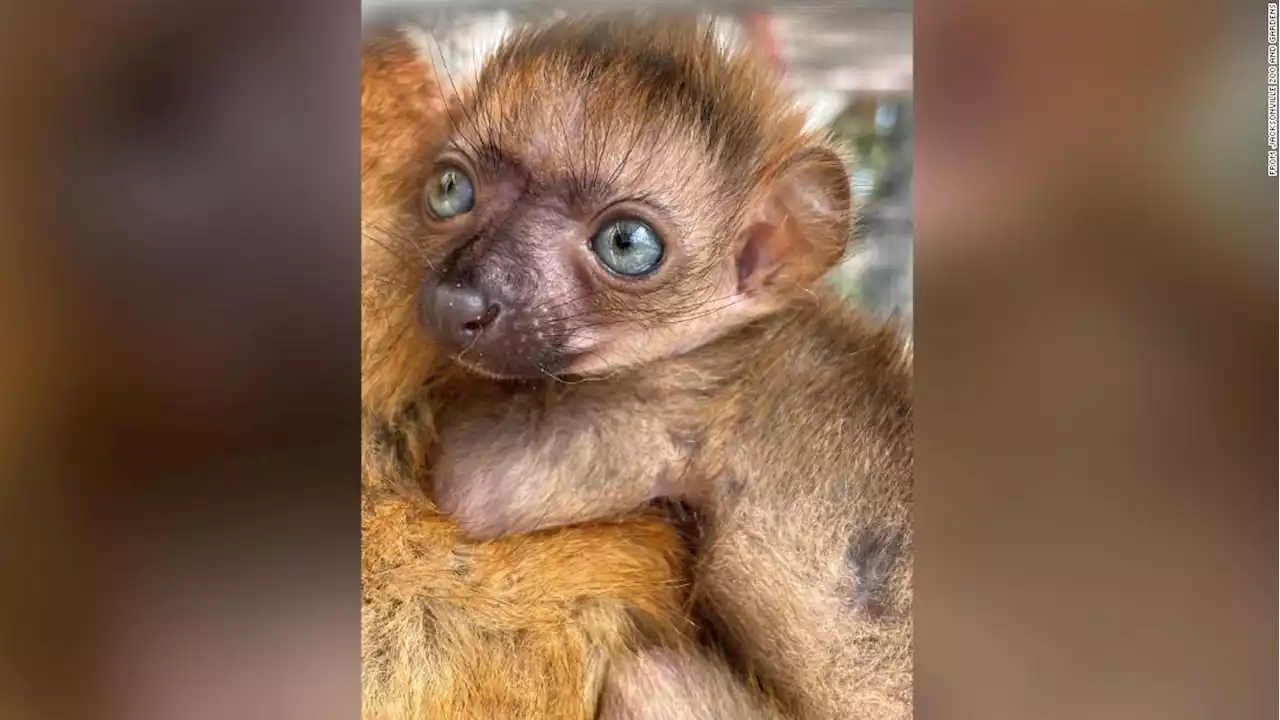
(593, 141)
(648, 107)
(657, 76)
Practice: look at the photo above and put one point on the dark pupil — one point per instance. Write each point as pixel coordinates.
(448, 183)
(628, 247)
(622, 239)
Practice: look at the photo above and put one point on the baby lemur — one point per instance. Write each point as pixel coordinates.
(632, 220)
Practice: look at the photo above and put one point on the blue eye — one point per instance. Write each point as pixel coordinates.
(628, 247)
(450, 194)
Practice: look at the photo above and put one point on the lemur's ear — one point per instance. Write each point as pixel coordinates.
(798, 228)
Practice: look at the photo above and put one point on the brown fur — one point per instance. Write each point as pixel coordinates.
(793, 437)
(517, 628)
(718, 378)
(671, 685)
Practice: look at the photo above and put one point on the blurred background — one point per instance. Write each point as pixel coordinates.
(848, 63)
